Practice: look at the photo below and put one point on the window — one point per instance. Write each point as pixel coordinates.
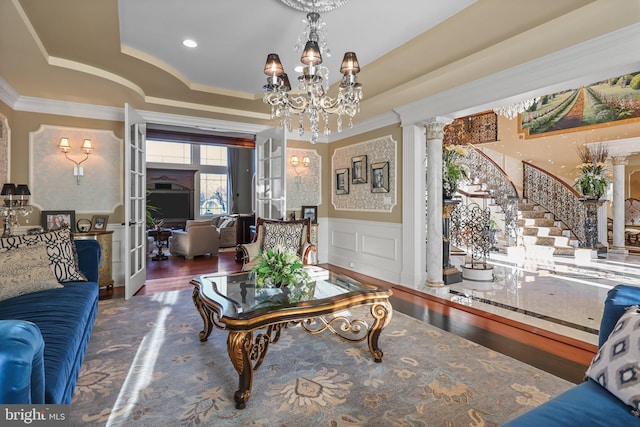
(213, 155)
(213, 193)
(168, 152)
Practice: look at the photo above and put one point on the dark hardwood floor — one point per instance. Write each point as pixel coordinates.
(562, 356)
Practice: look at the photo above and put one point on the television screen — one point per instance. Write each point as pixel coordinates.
(169, 204)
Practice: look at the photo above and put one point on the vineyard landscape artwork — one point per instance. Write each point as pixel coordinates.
(603, 102)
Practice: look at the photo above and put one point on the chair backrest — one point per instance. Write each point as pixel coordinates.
(261, 230)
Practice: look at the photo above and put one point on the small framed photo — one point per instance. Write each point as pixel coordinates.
(342, 181)
(380, 177)
(99, 222)
(359, 169)
(56, 220)
(310, 212)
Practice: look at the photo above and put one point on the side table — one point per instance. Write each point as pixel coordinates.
(105, 273)
(161, 237)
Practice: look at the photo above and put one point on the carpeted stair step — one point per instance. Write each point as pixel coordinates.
(546, 240)
(536, 222)
(564, 251)
(532, 214)
(542, 231)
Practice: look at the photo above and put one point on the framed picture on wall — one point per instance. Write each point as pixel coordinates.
(380, 177)
(56, 220)
(310, 212)
(99, 222)
(342, 181)
(359, 169)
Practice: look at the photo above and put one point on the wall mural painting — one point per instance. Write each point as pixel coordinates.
(615, 100)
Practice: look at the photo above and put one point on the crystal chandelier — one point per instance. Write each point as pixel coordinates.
(511, 111)
(312, 99)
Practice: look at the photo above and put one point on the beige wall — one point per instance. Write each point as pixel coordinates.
(24, 122)
(396, 214)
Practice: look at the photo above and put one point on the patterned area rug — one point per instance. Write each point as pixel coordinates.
(146, 367)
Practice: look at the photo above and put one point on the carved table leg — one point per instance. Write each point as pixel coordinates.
(379, 312)
(239, 346)
(206, 313)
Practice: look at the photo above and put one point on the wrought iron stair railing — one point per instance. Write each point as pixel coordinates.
(497, 183)
(556, 196)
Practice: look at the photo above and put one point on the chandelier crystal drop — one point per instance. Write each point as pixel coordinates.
(311, 99)
(511, 111)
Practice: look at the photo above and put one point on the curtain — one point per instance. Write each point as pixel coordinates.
(233, 177)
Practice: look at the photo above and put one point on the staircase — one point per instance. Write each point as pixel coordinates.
(540, 232)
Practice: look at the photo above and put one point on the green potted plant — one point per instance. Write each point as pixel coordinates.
(278, 267)
(592, 180)
(453, 170)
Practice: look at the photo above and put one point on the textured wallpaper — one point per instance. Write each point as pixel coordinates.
(52, 184)
(366, 196)
(4, 149)
(303, 183)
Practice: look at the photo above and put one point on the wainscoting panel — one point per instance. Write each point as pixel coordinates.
(367, 247)
(343, 239)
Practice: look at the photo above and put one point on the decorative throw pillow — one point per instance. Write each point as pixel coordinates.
(60, 249)
(616, 366)
(25, 270)
(289, 236)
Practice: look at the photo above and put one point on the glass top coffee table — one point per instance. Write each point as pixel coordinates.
(232, 302)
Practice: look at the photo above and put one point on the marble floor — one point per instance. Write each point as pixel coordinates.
(559, 294)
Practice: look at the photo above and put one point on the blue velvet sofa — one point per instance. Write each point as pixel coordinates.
(44, 336)
(589, 404)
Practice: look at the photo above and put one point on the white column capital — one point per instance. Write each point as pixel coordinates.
(619, 160)
(435, 127)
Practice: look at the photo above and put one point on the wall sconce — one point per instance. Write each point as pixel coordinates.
(78, 170)
(305, 161)
(295, 162)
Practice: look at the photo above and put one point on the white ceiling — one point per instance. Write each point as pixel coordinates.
(156, 28)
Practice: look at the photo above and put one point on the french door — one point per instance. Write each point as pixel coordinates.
(271, 151)
(134, 202)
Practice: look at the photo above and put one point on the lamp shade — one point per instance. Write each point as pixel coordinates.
(23, 190)
(350, 65)
(294, 160)
(64, 144)
(286, 84)
(86, 146)
(311, 54)
(273, 66)
(8, 189)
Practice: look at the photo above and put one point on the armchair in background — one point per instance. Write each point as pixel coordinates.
(227, 229)
(198, 238)
(293, 235)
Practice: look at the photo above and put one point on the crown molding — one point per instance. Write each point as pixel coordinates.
(601, 57)
(7, 94)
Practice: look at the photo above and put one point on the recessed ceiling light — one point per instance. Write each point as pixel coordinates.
(190, 43)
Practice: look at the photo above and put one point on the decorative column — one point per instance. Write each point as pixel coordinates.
(435, 134)
(413, 212)
(619, 163)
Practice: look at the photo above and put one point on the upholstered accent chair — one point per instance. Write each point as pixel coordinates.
(293, 235)
(198, 238)
(227, 229)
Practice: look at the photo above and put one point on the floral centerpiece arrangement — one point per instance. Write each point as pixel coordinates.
(278, 267)
(453, 170)
(592, 180)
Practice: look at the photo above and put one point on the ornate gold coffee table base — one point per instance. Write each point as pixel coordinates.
(247, 353)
